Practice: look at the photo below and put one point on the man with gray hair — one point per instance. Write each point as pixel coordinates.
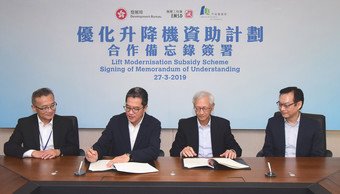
(204, 135)
(45, 134)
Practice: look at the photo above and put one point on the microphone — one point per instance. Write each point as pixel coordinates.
(80, 171)
(270, 173)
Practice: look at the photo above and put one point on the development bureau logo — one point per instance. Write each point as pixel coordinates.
(121, 14)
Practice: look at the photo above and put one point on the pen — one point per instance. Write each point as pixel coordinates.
(80, 165)
(270, 169)
(91, 150)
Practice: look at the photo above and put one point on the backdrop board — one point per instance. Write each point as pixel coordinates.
(92, 52)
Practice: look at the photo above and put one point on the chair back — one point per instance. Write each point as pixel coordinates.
(76, 129)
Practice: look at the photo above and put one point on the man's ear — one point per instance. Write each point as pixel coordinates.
(299, 104)
(34, 109)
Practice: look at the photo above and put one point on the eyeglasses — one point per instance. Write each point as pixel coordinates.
(284, 105)
(204, 109)
(134, 109)
(53, 106)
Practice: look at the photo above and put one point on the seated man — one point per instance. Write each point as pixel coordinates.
(130, 136)
(204, 135)
(43, 135)
(292, 134)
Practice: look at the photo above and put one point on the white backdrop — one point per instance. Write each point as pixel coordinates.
(76, 48)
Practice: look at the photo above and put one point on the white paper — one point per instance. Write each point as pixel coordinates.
(100, 165)
(130, 167)
(196, 162)
(201, 162)
(135, 167)
(230, 163)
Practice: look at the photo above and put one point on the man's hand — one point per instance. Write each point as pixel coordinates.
(46, 154)
(229, 154)
(119, 159)
(188, 152)
(91, 155)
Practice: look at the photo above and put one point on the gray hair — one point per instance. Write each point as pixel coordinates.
(202, 94)
(41, 92)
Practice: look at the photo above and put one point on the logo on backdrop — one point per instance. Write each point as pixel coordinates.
(179, 13)
(121, 14)
(189, 13)
(206, 12)
(170, 51)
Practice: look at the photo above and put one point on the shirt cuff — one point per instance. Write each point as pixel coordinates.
(28, 154)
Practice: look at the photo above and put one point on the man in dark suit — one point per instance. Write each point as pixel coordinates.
(204, 135)
(43, 135)
(130, 136)
(292, 134)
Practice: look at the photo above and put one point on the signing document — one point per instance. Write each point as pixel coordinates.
(129, 167)
(213, 162)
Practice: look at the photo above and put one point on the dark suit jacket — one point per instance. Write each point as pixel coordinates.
(310, 140)
(26, 136)
(115, 139)
(221, 137)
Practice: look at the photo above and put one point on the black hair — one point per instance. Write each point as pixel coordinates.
(138, 92)
(298, 94)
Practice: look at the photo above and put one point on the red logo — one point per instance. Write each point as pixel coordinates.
(121, 14)
(189, 13)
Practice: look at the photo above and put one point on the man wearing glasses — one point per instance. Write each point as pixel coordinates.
(204, 135)
(130, 136)
(292, 134)
(43, 135)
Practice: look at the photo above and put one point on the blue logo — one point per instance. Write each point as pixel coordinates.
(204, 11)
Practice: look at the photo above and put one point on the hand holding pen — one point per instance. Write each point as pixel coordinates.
(91, 155)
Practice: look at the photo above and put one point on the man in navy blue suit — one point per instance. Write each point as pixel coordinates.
(131, 136)
(205, 135)
(292, 134)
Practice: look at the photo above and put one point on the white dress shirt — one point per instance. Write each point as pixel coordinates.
(291, 134)
(133, 131)
(45, 137)
(204, 140)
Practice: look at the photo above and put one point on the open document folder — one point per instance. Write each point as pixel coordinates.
(215, 163)
(130, 167)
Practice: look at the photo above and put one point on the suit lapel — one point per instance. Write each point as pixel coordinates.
(299, 141)
(142, 128)
(126, 132)
(213, 126)
(36, 133)
(281, 133)
(56, 131)
(195, 134)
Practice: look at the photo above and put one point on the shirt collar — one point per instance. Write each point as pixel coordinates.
(42, 123)
(295, 124)
(201, 126)
(140, 122)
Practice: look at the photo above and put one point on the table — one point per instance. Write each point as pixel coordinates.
(294, 175)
